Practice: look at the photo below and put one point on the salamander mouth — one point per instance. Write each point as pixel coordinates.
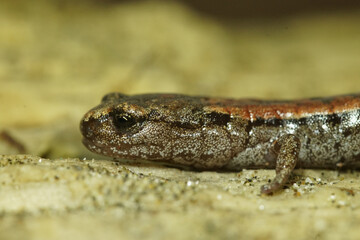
(87, 142)
(96, 147)
(92, 146)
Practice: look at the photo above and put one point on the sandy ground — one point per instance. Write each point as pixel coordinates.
(58, 59)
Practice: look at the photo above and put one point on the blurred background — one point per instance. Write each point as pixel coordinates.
(58, 58)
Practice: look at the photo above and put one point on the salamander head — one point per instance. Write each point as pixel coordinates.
(153, 126)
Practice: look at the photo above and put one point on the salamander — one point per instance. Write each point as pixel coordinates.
(232, 134)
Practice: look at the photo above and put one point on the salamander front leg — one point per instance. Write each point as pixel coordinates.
(287, 149)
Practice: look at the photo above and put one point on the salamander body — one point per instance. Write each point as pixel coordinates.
(214, 133)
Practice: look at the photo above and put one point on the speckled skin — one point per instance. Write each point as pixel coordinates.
(213, 133)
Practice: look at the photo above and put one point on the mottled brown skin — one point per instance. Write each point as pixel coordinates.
(213, 133)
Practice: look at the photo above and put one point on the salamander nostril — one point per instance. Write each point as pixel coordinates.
(89, 127)
(85, 128)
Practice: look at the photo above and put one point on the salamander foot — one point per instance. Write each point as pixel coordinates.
(287, 149)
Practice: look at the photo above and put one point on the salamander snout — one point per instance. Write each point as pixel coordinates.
(87, 127)
(94, 129)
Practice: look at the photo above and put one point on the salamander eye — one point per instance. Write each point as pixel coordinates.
(124, 121)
